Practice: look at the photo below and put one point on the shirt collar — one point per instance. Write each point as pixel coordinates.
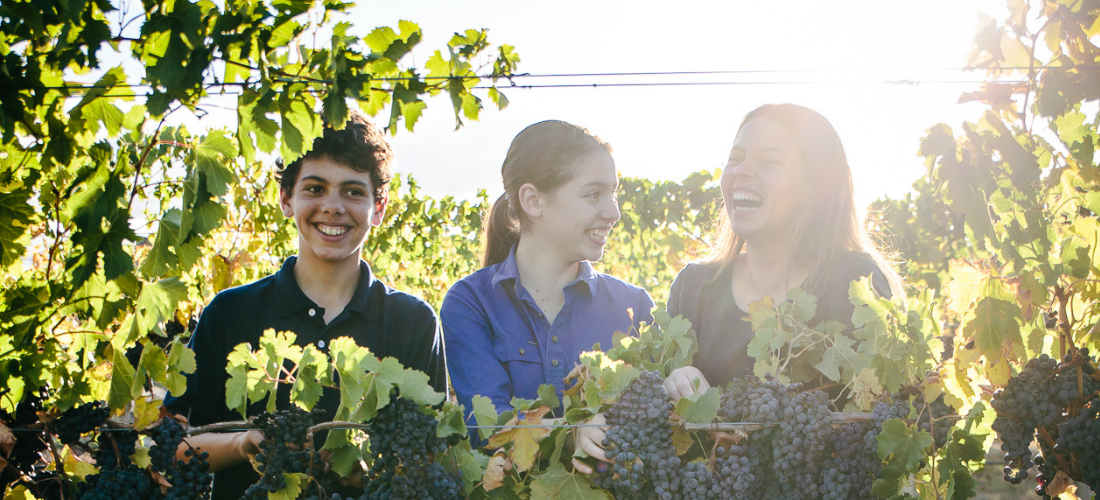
(292, 299)
(508, 270)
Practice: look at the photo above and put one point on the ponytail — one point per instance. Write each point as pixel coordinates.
(501, 232)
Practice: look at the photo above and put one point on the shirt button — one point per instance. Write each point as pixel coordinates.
(554, 339)
(321, 344)
(522, 351)
(554, 362)
(312, 312)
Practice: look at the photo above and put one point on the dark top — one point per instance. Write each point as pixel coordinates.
(387, 321)
(500, 345)
(706, 300)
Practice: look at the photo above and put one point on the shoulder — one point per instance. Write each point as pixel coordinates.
(471, 288)
(698, 272)
(855, 265)
(394, 300)
(242, 295)
(619, 288)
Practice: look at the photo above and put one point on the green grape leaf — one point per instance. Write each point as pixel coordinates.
(293, 487)
(485, 414)
(307, 388)
(154, 362)
(451, 421)
(548, 397)
(344, 459)
(899, 443)
(559, 484)
(415, 385)
(213, 154)
(122, 382)
(700, 407)
(994, 327)
(17, 214)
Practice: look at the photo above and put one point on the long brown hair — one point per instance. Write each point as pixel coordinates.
(543, 155)
(829, 225)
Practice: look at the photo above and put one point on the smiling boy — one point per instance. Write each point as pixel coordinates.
(335, 193)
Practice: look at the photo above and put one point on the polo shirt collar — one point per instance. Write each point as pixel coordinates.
(508, 270)
(291, 299)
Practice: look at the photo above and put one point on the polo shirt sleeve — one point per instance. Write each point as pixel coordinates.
(428, 356)
(204, 400)
(471, 362)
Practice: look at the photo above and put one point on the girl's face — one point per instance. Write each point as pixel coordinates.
(576, 218)
(765, 184)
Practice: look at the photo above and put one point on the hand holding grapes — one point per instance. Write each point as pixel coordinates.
(681, 382)
(590, 440)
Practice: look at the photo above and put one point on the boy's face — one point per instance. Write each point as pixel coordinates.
(334, 208)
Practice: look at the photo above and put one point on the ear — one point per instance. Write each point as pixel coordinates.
(531, 200)
(284, 202)
(379, 211)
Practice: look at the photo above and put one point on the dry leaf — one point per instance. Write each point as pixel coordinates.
(499, 464)
(7, 440)
(525, 432)
(159, 480)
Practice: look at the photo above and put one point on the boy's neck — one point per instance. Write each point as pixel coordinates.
(329, 284)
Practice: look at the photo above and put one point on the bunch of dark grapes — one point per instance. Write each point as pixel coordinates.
(797, 448)
(25, 453)
(843, 468)
(404, 446)
(286, 433)
(118, 477)
(730, 478)
(640, 441)
(78, 420)
(853, 463)
(190, 480)
(1080, 436)
(115, 448)
(935, 419)
(167, 437)
(1021, 406)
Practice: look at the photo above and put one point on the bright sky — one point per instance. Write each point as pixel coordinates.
(841, 53)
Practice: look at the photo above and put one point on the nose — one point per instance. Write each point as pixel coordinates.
(611, 210)
(332, 203)
(741, 170)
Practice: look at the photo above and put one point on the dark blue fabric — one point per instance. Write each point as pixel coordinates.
(500, 345)
(387, 321)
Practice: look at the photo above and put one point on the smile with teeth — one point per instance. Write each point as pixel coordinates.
(745, 200)
(598, 234)
(332, 230)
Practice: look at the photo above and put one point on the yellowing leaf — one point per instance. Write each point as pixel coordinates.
(145, 413)
(499, 464)
(524, 431)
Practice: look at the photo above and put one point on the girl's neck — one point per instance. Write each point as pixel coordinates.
(544, 275)
(769, 271)
(329, 284)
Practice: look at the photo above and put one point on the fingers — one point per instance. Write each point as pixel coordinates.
(681, 382)
(581, 466)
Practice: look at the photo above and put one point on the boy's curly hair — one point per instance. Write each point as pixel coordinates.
(360, 146)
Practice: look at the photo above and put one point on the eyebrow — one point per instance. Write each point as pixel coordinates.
(595, 184)
(322, 180)
(763, 150)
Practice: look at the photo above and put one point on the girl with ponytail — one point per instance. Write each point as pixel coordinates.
(525, 317)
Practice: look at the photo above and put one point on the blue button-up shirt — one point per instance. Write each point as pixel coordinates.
(500, 345)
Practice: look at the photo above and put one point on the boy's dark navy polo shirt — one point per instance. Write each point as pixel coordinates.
(384, 320)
